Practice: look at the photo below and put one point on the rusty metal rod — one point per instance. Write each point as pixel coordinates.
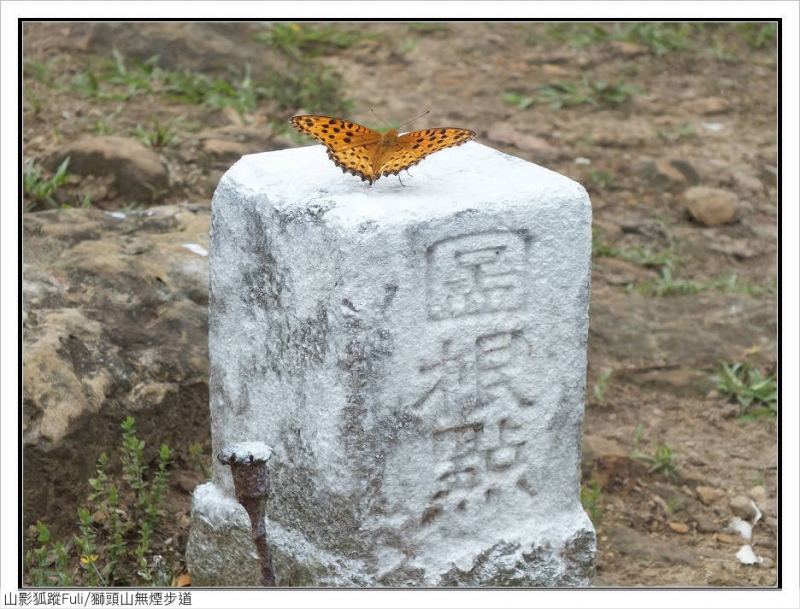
(248, 463)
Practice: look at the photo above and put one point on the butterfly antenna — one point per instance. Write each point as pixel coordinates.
(404, 124)
(415, 118)
(380, 118)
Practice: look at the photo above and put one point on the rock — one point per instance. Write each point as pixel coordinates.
(612, 470)
(708, 495)
(744, 179)
(709, 106)
(705, 524)
(673, 497)
(630, 133)
(690, 331)
(723, 538)
(648, 549)
(663, 175)
(711, 206)
(116, 326)
(225, 150)
(687, 169)
(758, 494)
(505, 133)
(621, 272)
(384, 349)
(627, 49)
(743, 508)
(680, 381)
(595, 447)
(139, 174)
(679, 527)
(606, 232)
(740, 249)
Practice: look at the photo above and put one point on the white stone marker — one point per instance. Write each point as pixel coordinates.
(415, 355)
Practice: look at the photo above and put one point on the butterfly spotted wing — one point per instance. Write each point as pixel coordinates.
(370, 154)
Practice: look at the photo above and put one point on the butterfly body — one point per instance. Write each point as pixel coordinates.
(371, 154)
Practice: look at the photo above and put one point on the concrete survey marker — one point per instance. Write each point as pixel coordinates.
(415, 356)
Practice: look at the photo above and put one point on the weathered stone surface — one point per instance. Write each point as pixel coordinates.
(115, 325)
(139, 174)
(415, 356)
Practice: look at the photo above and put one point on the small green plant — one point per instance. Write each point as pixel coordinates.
(758, 35)
(601, 248)
(659, 37)
(40, 72)
(517, 99)
(115, 533)
(682, 132)
(304, 39)
(297, 82)
(602, 179)
(406, 46)
(637, 436)
(673, 505)
(562, 94)
(640, 256)
(308, 86)
(46, 565)
(660, 461)
(590, 494)
(667, 285)
(427, 27)
(577, 34)
(198, 460)
(648, 259)
(614, 93)
(732, 283)
(103, 127)
(160, 136)
(746, 385)
(88, 548)
(601, 384)
(42, 190)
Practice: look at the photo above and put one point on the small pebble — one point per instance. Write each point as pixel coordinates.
(705, 525)
(758, 494)
(743, 507)
(708, 495)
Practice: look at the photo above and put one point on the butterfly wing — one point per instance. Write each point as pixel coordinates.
(411, 148)
(370, 154)
(350, 146)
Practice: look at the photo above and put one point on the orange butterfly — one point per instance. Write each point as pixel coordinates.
(371, 154)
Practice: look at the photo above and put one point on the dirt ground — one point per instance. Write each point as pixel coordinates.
(642, 115)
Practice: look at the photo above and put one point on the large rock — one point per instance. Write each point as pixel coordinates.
(139, 175)
(115, 325)
(415, 356)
